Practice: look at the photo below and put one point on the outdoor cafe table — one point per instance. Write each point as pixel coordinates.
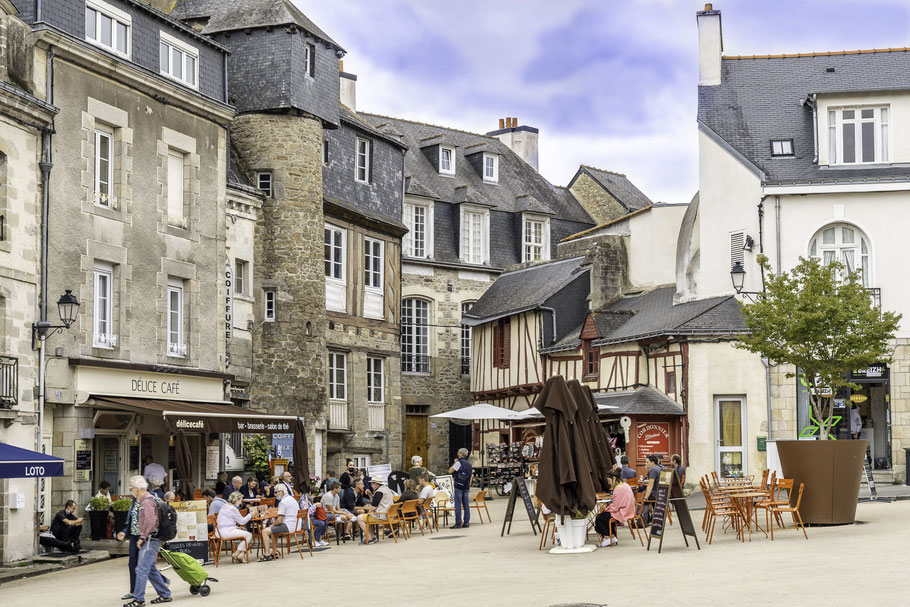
(256, 523)
(745, 503)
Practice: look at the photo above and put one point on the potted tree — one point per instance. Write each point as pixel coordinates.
(121, 508)
(98, 515)
(820, 319)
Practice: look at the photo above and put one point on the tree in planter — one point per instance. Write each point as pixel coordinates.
(257, 449)
(820, 319)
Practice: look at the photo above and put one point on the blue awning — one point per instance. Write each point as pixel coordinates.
(16, 462)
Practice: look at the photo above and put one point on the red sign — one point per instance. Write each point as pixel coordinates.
(653, 437)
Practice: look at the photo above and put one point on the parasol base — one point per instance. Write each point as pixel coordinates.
(582, 550)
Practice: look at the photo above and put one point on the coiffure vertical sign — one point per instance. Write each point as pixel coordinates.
(228, 301)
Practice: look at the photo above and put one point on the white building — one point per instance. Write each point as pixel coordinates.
(802, 155)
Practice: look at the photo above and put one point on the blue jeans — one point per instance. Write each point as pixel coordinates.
(462, 502)
(134, 560)
(318, 528)
(147, 572)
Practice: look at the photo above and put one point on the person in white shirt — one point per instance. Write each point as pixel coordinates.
(331, 501)
(153, 471)
(285, 522)
(230, 525)
(856, 422)
(426, 489)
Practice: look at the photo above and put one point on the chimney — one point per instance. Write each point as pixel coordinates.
(348, 85)
(710, 46)
(521, 139)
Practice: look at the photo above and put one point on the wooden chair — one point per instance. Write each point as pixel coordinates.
(212, 521)
(410, 515)
(637, 522)
(549, 527)
(303, 529)
(392, 521)
(268, 502)
(480, 501)
(726, 510)
(425, 508)
(286, 536)
(442, 500)
(778, 509)
(777, 498)
(226, 542)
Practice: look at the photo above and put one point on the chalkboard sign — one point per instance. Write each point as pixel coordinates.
(134, 457)
(196, 549)
(519, 487)
(669, 489)
(83, 460)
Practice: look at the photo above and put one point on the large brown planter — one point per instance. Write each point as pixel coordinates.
(831, 471)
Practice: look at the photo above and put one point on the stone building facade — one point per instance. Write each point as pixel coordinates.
(24, 122)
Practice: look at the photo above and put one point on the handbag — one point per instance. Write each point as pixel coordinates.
(320, 513)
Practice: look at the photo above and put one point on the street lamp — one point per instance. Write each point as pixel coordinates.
(67, 308)
(738, 276)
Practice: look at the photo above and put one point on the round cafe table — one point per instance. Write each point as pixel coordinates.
(745, 503)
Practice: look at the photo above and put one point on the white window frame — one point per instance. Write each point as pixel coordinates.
(175, 348)
(410, 216)
(415, 338)
(363, 155)
(265, 183)
(103, 307)
(309, 60)
(375, 379)
(861, 248)
(781, 147)
(493, 177)
(117, 15)
(338, 391)
(362, 461)
(451, 168)
(742, 449)
(881, 121)
(370, 275)
(175, 219)
(528, 247)
(336, 286)
(104, 200)
(241, 276)
(473, 251)
(466, 338)
(270, 312)
(186, 51)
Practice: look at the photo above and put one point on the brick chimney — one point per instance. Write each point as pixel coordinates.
(521, 139)
(348, 86)
(710, 46)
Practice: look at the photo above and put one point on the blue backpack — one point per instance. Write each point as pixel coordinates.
(463, 476)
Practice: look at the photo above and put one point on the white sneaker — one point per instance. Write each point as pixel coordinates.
(322, 543)
(615, 541)
(605, 543)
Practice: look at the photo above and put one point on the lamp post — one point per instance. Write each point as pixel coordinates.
(738, 277)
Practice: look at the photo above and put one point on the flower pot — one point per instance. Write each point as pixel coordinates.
(98, 522)
(831, 471)
(120, 520)
(571, 532)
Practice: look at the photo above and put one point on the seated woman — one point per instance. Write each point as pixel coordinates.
(410, 491)
(230, 525)
(622, 508)
(251, 489)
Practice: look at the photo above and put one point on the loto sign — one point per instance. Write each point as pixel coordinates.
(652, 437)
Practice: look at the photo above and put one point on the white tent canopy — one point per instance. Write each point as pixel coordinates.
(480, 411)
(532, 413)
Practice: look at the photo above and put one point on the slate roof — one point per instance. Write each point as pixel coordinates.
(238, 175)
(523, 289)
(618, 186)
(605, 322)
(354, 119)
(414, 187)
(655, 314)
(231, 15)
(641, 401)
(762, 98)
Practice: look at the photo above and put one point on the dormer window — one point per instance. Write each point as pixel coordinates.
(475, 235)
(858, 135)
(536, 238)
(446, 161)
(108, 27)
(178, 60)
(781, 147)
(491, 168)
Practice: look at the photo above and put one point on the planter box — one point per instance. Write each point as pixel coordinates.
(572, 533)
(98, 521)
(831, 471)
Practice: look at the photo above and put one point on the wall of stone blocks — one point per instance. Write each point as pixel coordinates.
(596, 201)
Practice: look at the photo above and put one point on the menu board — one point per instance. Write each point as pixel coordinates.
(669, 490)
(192, 529)
(447, 483)
(83, 468)
(212, 453)
(519, 487)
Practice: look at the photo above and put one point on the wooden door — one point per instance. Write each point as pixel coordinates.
(415, 433)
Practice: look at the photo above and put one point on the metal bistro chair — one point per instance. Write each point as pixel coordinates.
(778, 508)
(480, 501)
(410, 515)
(225, 542)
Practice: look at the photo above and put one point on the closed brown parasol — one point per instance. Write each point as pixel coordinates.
(565, 482)
(301, 459)
(184, 460)
(602, 458)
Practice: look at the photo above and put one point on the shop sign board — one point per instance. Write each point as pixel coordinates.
(228, 301)
(447, 483)
(82, 471)
(652, 437)
(192, 529)
(129, 383)
(211, 462)
(283, 446)
(877, 372)
(251, 424)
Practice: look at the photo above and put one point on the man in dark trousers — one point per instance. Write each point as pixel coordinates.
(65, 530)
(461, 468)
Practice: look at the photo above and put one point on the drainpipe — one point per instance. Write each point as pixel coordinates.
(761, 236)
(767, 365)
(777, 229)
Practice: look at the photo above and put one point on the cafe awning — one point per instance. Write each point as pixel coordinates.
(16, 462)
(201, 417)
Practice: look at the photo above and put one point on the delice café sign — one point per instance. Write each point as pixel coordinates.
(652, 437)
(101, 381)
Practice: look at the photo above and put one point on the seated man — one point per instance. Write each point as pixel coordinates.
(65, 530)
(285, 522)
(236, 484)
(622, 508)
(426, 489)
(377, 511)
(352, 499)
(331, 501)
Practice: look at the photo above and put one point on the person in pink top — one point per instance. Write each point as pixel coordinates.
(621, 509)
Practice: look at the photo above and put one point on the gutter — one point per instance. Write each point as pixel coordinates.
(767, 365)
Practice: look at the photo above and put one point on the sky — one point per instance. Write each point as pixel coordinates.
(609, 83)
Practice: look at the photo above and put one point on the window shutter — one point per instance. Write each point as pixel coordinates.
(736, 248)
(497, 341)
(506, 343)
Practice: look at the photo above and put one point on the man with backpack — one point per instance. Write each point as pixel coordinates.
(153, 525)
(462, 481)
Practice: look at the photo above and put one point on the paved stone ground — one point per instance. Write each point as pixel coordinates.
(836, 566)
